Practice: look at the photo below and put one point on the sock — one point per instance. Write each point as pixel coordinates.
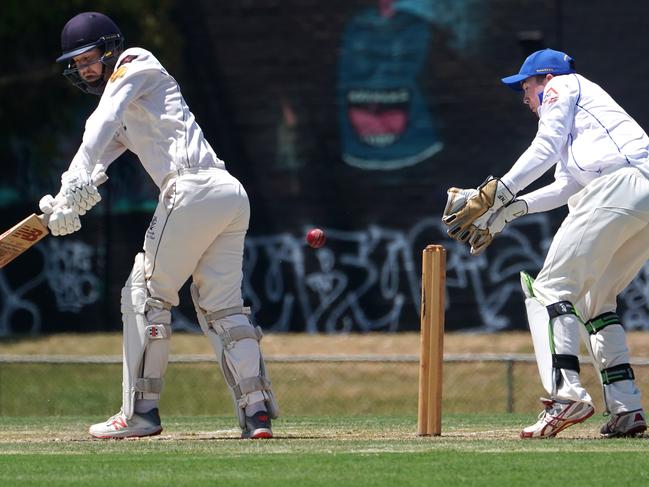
(255, 407)
(145, 405)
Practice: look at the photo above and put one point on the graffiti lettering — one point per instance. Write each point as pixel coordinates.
(361, 281)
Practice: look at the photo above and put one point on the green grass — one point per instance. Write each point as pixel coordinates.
(481, 450)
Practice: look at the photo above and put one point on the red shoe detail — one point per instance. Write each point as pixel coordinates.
(261, 434)
(118, 423)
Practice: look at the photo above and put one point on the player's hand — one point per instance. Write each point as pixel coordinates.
(48, 203)
(475, 214)
(63, 221)
(482, 237)
(79, 190)
(455, 201)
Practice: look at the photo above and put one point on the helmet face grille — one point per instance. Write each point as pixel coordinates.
(82, 33)
(112, 49)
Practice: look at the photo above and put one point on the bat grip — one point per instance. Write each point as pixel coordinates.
(99, 178)
(44, 219)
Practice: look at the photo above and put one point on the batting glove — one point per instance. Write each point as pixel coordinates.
(79, 190)
(48, 203)
(63, 221)
(482, 237)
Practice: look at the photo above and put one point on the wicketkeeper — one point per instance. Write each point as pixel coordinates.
(198, 228)
(601, 169)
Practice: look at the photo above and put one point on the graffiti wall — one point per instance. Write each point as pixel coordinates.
(354, 118)
(362, 281)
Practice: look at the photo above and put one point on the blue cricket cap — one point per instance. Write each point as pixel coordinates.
(545, 61)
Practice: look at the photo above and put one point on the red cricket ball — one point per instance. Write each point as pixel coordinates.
(316, 238)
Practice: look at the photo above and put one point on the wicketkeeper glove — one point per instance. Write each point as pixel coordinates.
(456, 199)
(79, 190)
(482, 237)
(487, 200)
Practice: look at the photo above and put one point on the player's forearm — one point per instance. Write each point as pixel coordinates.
(531, 165)
(98, 141)
(551, 196)
(91, 162)
(99, 145)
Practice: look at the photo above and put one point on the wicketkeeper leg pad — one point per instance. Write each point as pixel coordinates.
(555, 333)
(236, 344)
(147, 329)
(608, 348)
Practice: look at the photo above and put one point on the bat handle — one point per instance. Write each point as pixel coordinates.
(44, 219)
(99, 178)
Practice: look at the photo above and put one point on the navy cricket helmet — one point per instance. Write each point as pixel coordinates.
(86, 31)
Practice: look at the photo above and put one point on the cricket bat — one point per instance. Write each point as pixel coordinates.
(21, 237)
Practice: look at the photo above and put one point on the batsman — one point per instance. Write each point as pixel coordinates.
(600, 157)
(197, 230)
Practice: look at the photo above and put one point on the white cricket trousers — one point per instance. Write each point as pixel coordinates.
(198, 229)
(601, 246)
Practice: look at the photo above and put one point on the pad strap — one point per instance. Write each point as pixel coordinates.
(617, 373)
(602, 321)
(563, 361)
(149, 385)
(251, 384)
(231, 335)
(223, 313)
(157, 304)
(561, 308)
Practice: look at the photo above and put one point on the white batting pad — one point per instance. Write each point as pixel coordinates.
(236, 345)
(140, 336)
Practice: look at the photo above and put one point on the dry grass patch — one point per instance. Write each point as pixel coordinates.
(298, 344)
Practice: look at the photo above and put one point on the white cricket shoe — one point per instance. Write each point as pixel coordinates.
(141, 424)
(556, 417)
(630, 423)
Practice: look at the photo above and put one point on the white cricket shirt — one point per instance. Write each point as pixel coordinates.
(143, 110)
(585, 133)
